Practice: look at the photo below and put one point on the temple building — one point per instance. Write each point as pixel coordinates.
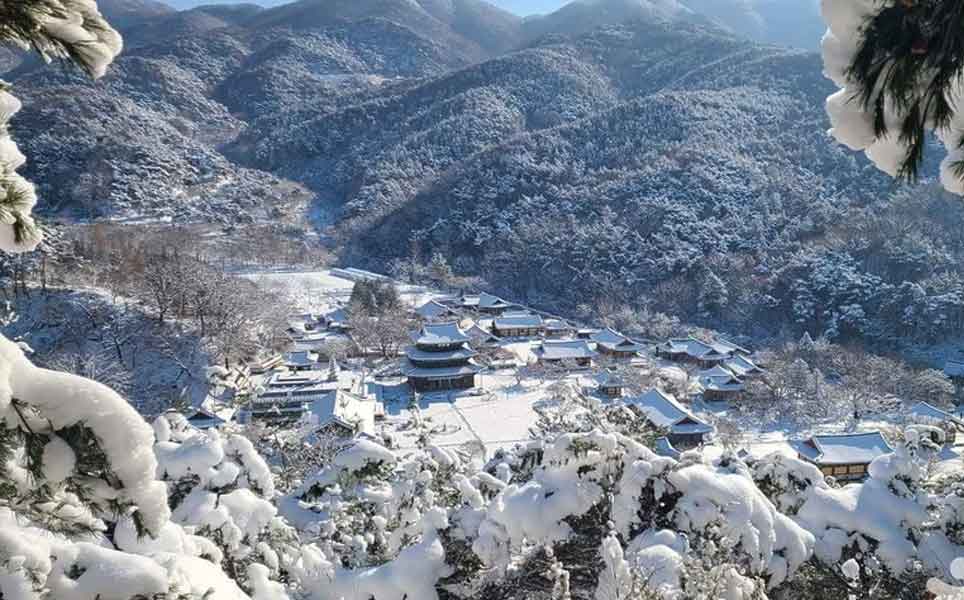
(440, 359)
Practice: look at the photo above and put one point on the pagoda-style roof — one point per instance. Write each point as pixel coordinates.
(440, 334)
(417, 355)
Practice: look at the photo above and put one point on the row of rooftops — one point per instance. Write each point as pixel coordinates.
(717, 349)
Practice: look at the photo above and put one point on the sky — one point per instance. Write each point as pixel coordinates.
(525, 8)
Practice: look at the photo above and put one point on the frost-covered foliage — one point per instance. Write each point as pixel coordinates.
(897, 67)
(223, 490)
(67, 29)
(378, 518)
(81, 513)
(888, 529)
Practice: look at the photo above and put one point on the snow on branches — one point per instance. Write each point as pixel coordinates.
(897, 64)
(73, 30)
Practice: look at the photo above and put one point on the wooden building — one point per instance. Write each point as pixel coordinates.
(844, 456)
(610, 342)
(518, 324)
(683, 428)
(578, 352)
(493, 305)
(720, 384)
(610, 385)
(440, 359)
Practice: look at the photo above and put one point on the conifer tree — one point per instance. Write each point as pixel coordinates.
(899, 66)
(71, 30)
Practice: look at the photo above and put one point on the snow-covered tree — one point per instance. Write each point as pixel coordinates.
(898, 67)
(220, 487)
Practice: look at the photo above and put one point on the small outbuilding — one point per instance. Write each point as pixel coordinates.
(844, 456)
(927, 414)
(683, 428)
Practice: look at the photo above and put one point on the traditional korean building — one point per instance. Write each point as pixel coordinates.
(927, 414)
(612, 343)
(482, 337)
(266, 364)
(287, 396)
(844, 456)
(692, 350)
(559, 351)
(683, 428)
(434, 310)
(303, 360)
(344, 414)
(336, 320)
(610, 385)
(558, 328)
(720, 384)
(493, 305)
(440, 359)
(742, 366)
(518, 324)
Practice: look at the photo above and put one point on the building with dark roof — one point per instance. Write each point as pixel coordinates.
(440, 359)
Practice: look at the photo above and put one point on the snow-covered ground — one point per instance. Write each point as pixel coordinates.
(324, 290)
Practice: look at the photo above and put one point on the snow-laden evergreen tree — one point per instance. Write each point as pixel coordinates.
(220, 487)
(58, 29)
(898, 64)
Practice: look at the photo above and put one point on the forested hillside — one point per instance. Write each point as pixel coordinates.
(668, 165)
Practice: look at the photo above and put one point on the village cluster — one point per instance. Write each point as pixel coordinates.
(465, 371)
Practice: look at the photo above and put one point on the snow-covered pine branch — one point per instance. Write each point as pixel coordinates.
(898, 67)
(72, 30)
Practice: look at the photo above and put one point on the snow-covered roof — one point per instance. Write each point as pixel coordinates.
(440, 334)
(741, 366)
(355, 411)
(480, 334)
(609, 379)
(554, 324)
(665, 412)
(612, 340)
(607, 335)
(565, 350)
(203, 418)
(720, 379)
(518, 321)
(663, 447)
(304, 383)
(441, 372)
(469, 301)
(724, 346)
(930, 412)
(954, 368)
(299, 359)
(490, 301)
(433, 310)
(336, 318)
(690, 346)
(460, 353)
(844, 448)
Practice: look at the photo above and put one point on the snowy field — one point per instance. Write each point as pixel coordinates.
(321, 291)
